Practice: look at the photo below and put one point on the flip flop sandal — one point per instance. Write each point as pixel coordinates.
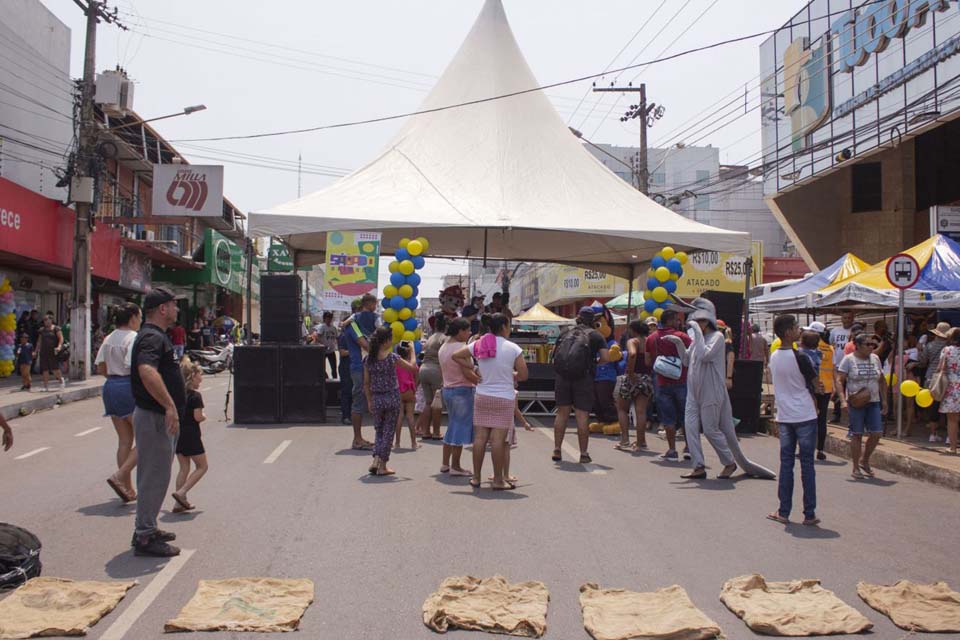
(386, 472)
(119, 490)
(462, 474)
(507, 487)
(556, 457)
(856, 475)
(695, 475)
(812, 522)
(178, 509)
(585, 458)
(365, 446)
(474, 483)
(181, 502)
(867, 471)
(625, 447)
(776, 517)
(444, 469)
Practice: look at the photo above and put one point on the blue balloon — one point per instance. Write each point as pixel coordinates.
(414, 279)
(402, 254)
(670, 286)
(649, 305)
(652, 284)
(674, 266)
(417, 347)
(410, 324)
(385, 303)
(397, 279)
(412, 303)
(418, 262)
(658, 262)
(416, 292)
(396, 302)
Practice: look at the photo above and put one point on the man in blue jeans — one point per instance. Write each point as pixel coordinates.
(670, 393)
(794, 379)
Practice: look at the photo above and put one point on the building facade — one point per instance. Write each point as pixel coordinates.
(859, 129)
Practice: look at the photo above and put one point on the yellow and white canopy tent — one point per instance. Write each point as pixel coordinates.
(539, 314)
(482, 175)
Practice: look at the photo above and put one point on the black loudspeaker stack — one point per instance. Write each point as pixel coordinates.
(729, 309)
(281, 305)
(276, 384)
(746, 394)
(542, 378)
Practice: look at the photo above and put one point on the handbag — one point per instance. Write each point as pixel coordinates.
(938, 385)
(860, 399)
(670, 367)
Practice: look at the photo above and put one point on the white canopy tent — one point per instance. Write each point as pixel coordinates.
(503, 179)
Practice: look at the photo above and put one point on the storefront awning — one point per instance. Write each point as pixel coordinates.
(159, 256)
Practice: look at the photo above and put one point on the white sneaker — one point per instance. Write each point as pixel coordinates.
(934, 438)
(63, 385)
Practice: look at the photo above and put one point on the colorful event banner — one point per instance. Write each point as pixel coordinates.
(351, 269)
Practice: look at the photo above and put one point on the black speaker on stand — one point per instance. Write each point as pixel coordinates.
(303, 389)
(256, 385)
(747, 393)
(729, 309)
(281, 307)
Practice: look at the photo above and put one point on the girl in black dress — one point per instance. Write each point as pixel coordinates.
(189, 444)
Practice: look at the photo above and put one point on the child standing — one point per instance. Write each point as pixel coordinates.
(25, 361)
(407, 382)
(383, 395)
(189, 444)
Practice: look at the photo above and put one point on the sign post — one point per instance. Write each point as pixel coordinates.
(903, 272)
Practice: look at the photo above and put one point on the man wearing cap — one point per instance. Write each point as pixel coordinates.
(472, 312)
(573, 391)
(839, 337)
(160, 397)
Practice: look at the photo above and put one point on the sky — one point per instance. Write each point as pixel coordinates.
(265, 66)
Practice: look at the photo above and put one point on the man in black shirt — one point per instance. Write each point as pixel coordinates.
(471, 313)
(160, 397)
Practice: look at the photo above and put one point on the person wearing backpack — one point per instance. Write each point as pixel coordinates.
(575, 357)
(671, 378)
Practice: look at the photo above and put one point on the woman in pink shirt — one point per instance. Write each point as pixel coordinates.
(459, 384)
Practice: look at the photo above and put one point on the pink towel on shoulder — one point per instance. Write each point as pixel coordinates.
(486, 347)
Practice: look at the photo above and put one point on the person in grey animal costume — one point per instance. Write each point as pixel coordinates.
(708, 407)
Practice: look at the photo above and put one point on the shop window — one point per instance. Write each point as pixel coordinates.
(867, 187)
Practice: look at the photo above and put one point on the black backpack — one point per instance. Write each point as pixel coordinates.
(573, 357)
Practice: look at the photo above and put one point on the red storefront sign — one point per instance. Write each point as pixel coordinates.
(42, 229)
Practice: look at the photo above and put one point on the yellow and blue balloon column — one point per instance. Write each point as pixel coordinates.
(8, 326)
(400, 297)
(666, 269)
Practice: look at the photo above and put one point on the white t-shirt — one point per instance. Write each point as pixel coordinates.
(839, 337)
(116, 351)
(862, 374)
(793, 400)
(496, 374)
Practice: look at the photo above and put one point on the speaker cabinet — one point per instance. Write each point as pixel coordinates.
(541, 377)
(302, 380)
(256, 392)
(275, 286)
(280, 330)
(730, 310)
(747, 410)
(747, 379)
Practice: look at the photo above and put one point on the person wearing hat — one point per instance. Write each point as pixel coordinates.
(160, 397)
(708, 406)
(930, 360)
(575, 357)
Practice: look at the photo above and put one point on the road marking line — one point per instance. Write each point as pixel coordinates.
(572, 452)
(87, 432)
(31, 453)
(131, 614)
(276, 452)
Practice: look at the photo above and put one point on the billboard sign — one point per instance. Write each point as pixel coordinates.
(188, 190)
(351, 269)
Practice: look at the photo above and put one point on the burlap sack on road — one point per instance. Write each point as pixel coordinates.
(664, 614)
(796, 608)
(928, 608)
(245, 604)
(58, 607)
(488, 604)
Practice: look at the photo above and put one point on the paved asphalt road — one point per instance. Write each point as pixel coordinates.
(376, 548)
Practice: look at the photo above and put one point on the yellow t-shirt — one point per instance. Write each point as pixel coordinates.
(826, 366)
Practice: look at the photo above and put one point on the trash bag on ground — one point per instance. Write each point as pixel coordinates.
(19, 556)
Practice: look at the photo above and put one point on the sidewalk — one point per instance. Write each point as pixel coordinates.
(12, 400)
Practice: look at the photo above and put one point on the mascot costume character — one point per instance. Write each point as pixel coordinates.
(605, 380)
(708, 403)
(451, 302)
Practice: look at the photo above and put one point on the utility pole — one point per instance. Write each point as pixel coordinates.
(648, 114)
(82, 191)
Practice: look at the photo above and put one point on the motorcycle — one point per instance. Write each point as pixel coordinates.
(213, 360)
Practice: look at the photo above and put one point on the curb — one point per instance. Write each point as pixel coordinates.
(888, 461)
(12, 411)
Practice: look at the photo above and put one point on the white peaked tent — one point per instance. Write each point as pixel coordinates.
(503, 179)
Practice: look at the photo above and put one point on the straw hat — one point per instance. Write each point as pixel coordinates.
(941, 330)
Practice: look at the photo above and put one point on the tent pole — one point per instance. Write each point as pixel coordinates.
(484, 247)
(630, 292)
(898, 397)
(746, 308)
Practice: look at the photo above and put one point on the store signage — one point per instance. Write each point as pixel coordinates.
(9, 219)
(806, 92)
(224, 265)
(188, 190)
(279, 259)
(946, 221)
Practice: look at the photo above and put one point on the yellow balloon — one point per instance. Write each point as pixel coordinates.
(910, 388)
(418, 333)
(394, 266)
(390, 316)
(424, 243)
(657, 313)
(406, 267)
(390, 291)
(659, 295)
(644, 315)
(616, 353)
(662, 274)
(891, 379)
(414, 247)
(405, 313)
(409, 336)
(924, 398)
(404, 242)
(651, 274)
(667, 253)
(675, 277)
(681, 256)
(405, 291)
(397, 328)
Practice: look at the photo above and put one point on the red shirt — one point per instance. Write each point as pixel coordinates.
(178, 336)
(657, 346)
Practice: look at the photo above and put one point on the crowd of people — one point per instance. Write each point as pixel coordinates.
(42, 348)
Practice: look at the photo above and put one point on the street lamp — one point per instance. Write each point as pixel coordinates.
(186, 111)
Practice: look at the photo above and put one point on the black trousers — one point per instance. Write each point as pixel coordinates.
(823, 408)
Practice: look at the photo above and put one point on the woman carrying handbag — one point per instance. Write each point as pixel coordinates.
(945, 386)
(863, 386)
